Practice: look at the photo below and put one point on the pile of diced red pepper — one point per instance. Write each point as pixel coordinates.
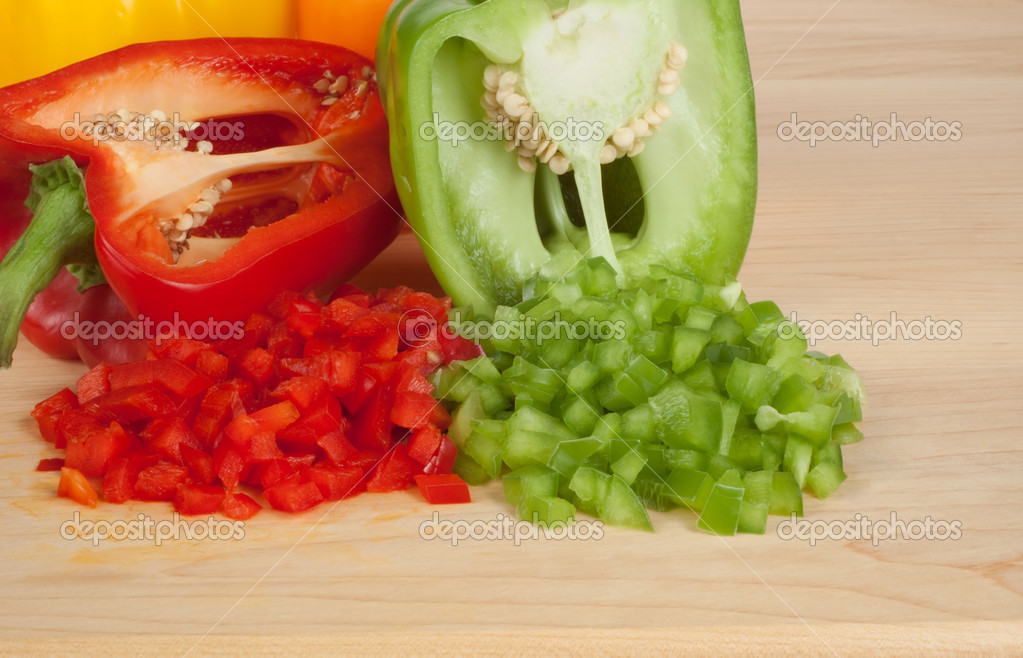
(315, 402)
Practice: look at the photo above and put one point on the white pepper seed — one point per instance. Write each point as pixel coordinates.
(623, 138)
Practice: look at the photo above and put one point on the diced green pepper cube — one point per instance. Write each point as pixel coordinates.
(621, 506)
(691, 459)
(580, 414)
(483, 369)
(720, 515)
(798, 453)
(701, 318)
(583, 377)
(655, 344)
(547, 511)
(486, 450)
(461, 421)
(726, 330)
(846, 433)
(629, 465)
(686, 419)
(689, 488)
(786, 495)
(525, 447)
(752, 384)
(569, 455)
(533, 480)
(687, 347)
(794, 394)
(825, 477)
(466, 468)
(701, 377)
(638, 424)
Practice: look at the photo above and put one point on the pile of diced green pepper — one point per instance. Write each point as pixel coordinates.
(686, 396)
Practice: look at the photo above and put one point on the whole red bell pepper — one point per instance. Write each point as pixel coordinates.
(218, 173)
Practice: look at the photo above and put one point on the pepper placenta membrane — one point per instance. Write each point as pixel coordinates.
(624, 129)
(218, 172)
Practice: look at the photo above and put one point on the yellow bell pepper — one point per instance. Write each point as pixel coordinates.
(40, 36)
(353, 24)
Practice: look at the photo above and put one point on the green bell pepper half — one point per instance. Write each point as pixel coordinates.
(486, 225)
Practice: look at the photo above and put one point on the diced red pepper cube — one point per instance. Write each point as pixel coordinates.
(75, 425)
(373, 325)
(412, 410)
(199, 464)
(257, 365)
(457, 348)
(328, 417)
(444, 489)
(168, 435)
(383, 347)
(337, 482)
(314, 366)
(424, 443)
(164, 373)
(198, 499)
(48, 412)
(337, 447)
(73, 485)
(294, 495)
(298, 437)
(281, 343)
(160, 482)
(183, 350)
(440, 417)
(276, 417)
(222, 403)
(257, 328)
(341, 313)
(94, 383)
(119, 480)
(239, 507)
(360, 394)
(90, 451)
(425, 357)
(131, 404)
(342, 370)
(144, 457)
(391, 300)
(262, 448)
(371, 429)
(394, 473)
(229, 461)
(52, 464)
(280, 304)
(303, 317)
(444, 460)
(437, 308)
(353, 294)
(213, 365)
(303, 391)
(273, 472)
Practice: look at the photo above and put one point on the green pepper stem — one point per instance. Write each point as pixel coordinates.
(60, 233)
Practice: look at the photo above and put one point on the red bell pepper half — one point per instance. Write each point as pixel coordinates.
(218, 173)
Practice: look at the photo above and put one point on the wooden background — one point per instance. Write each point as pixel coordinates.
(922, 229)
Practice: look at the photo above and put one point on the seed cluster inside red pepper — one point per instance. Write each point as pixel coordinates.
(314, 402)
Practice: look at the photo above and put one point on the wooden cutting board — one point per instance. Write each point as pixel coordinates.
(916, 228)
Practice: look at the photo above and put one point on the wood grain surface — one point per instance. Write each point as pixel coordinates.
(916, 228)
